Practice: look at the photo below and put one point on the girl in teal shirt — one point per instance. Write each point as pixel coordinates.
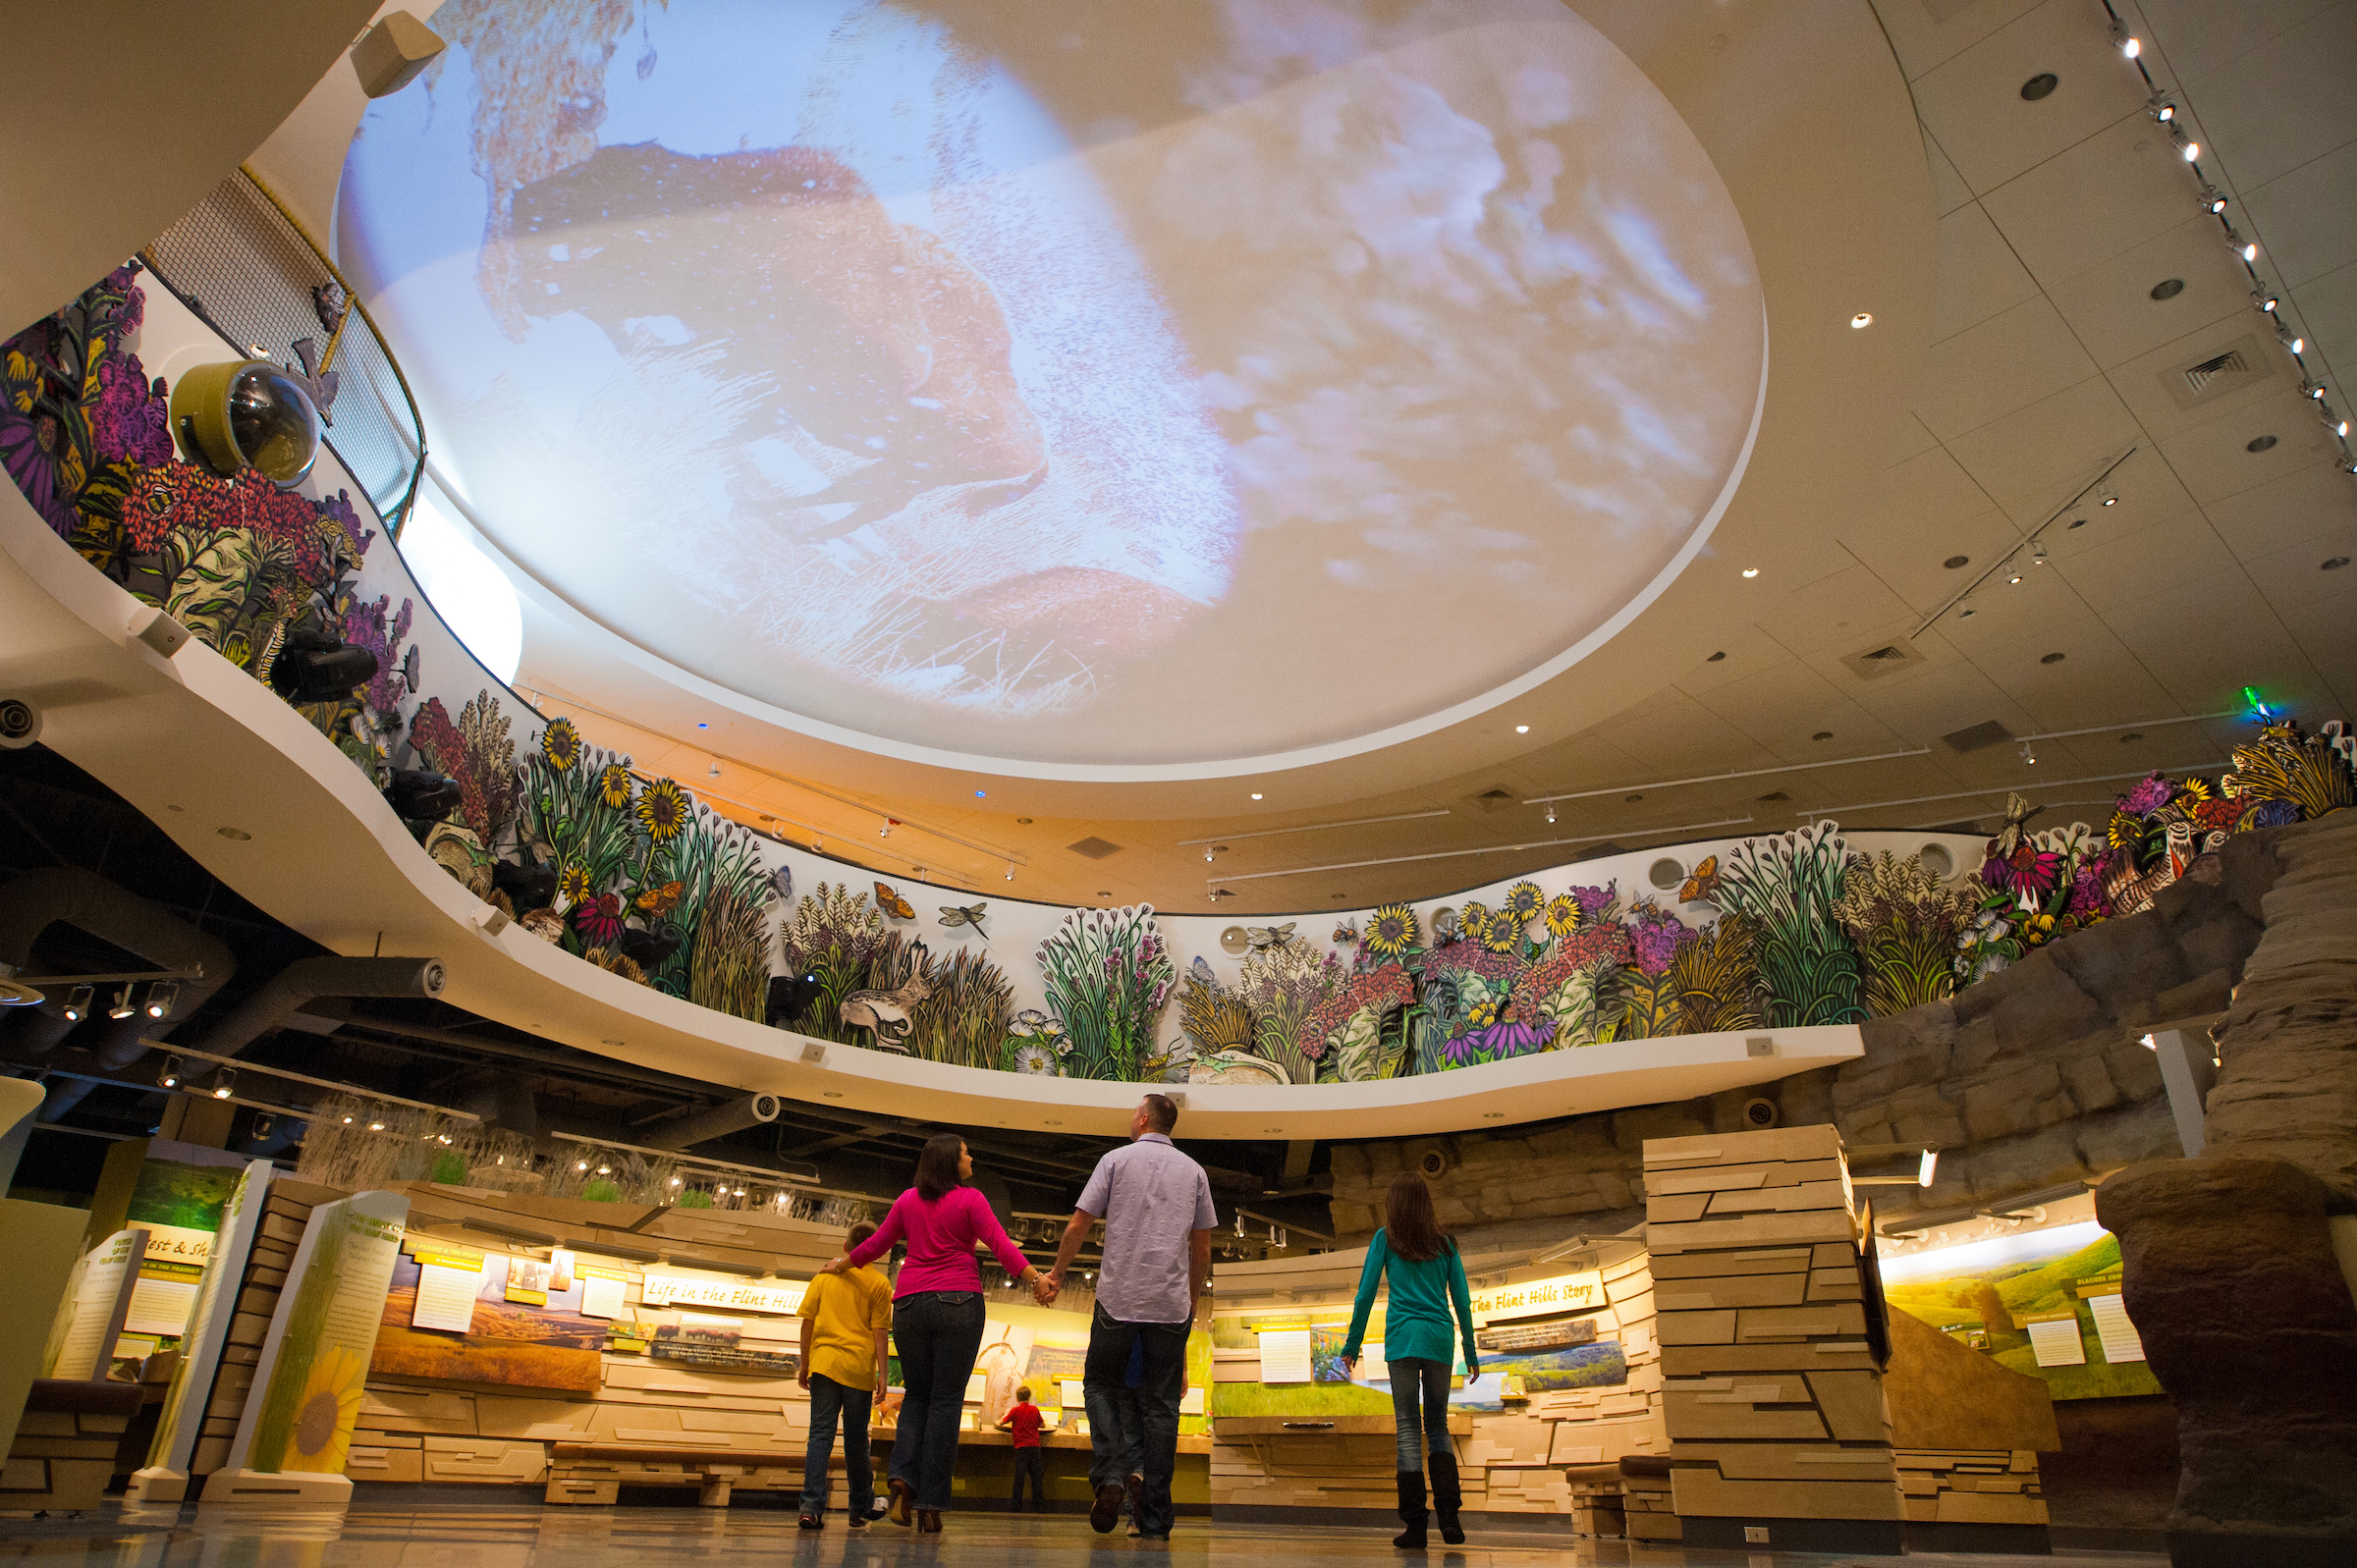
(1427, 1281)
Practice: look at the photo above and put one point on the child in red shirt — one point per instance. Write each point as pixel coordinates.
(1023, 1419)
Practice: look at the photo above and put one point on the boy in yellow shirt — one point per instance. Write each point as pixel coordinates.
(846, 1319)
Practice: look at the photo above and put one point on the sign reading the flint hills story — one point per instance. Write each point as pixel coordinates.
(664, 1288)
(306, 1390)
(1532, 1298)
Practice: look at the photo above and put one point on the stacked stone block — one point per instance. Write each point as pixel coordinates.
(1772, 1400)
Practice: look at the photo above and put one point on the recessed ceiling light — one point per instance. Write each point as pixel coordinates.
(2040, 85)
(2133, 734)
(981, 794)
(2051, 659)
(831, 1094)
(1716, 657)
(1493, 1116)
(1022, 822)
(1751, 572)
(1257, 794)
(1630, 800)
(234, 835)
(1522, 729)
(2334, 565)
(1864, 318)
(1822, 734)
(2169, 288)
(701, 724)
(1955, 561)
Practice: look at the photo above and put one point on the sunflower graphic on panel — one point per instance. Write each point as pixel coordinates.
(320, 1439)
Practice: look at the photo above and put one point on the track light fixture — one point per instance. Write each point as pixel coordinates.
(1010, 871)
(264, 1121)
(2214, 199)
(2165, 114)
(890, 823)
(170, 1076)
(225, 1083)
(2028, 755)
(1551, 816)
(77, 1004)
(162, 997)
(121, 1008)
(2106, 494)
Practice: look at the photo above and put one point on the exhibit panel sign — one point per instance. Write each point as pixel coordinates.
(314, 1363)
(92, 1320)
(165, 1479)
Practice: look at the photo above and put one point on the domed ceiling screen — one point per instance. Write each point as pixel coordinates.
(1069, 382)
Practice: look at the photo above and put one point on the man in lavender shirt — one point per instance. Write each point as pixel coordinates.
(1156, 1205)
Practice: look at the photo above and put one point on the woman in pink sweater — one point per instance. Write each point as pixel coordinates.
(937, 1318)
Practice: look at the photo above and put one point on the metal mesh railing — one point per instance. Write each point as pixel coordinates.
(243, 264)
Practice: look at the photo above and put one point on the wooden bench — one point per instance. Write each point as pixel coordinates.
(591, 1473)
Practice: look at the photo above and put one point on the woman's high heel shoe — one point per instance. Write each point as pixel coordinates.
(928, 1521)
(903, 1500)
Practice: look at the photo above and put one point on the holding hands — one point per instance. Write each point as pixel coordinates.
(1043, 1286)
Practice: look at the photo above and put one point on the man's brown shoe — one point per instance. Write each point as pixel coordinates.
(1108, 1509)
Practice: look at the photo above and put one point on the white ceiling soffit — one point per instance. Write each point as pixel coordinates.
(241, 759)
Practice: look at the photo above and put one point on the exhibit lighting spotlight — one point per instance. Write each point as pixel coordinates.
(225, 1083)
(2027, 755)
(2132, 46)
(170, 1076)
(890, 823)
(1931, 1164)
(2268, 302)
(264, 1121)
(2013, 572)
(2296, 345)
(2106, 494)
(2193, 150)
(1551, 815)
(77, 1002)
(121, 1008)
(2165, 113)
(162, 997)
(1010, 871)
(1207, 857)
(2314, 389)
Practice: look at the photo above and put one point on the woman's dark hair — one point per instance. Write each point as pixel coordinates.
(1407, 1219)
(937, 1166)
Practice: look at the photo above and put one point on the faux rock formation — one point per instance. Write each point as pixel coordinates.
(2231, 1278)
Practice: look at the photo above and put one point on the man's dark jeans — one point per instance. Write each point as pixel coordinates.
(829, 1401)
(939, 1333)
(1145, 1421)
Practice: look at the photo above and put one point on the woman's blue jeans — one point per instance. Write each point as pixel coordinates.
(1419, 1409)
(939, 1332)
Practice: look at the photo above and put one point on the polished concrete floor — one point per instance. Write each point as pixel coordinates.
(372, 1534)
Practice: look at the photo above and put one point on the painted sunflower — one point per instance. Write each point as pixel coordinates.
(1562, 915)
(2193, 791)
(1391, 930)
(663, 810)
(573, 886)
(320, 1440)
(614, 786)
(1524, 902)
(561, 745)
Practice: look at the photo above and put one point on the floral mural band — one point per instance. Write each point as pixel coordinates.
(635, 875)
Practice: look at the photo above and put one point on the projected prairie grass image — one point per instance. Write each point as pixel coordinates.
(1067, 382)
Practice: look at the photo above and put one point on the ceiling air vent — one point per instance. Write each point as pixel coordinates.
(2218, 374)
(1495, 799)
(1988, 733)
(1094, 847)
(1883, 658)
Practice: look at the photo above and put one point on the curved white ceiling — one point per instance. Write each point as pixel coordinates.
(1115, 386)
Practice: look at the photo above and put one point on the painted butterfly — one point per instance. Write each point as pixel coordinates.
(893, 905)
(1701, 886)
(659, 900)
